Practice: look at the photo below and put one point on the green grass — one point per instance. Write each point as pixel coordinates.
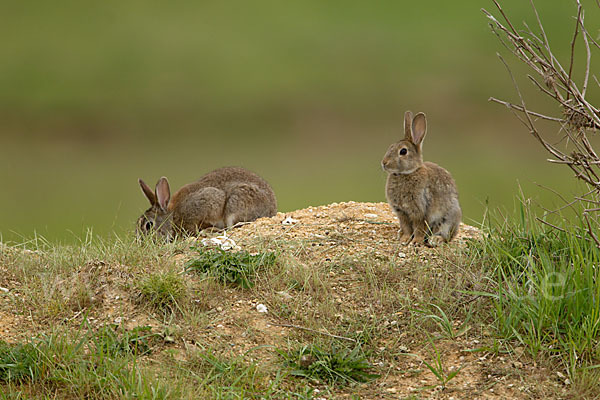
(337, 364)
(545, 290)
(60, 280)
(113, 341)
(444, 323)
(83, 364)
(17, 361)
(228, 376)
(163, 291)
(437, 368)
(223, 377)
(236, 268)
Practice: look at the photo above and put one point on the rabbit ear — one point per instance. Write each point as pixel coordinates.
(147, 192)
(163, 193)
(408, 116)
(419, 128)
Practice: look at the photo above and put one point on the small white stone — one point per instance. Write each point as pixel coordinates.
(261, 308)
(3, 289)
(285, 295)
(289, 221)
(402, 255)
(118, 320)
(224, 242)
(371, 215)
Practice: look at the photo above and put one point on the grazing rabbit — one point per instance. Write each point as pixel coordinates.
(219, 199)
(422, 194)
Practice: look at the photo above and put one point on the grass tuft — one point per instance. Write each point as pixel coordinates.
(85, 364)
(340, 366)
(237, 268)
(217, 376)
(163, 291)
(17, 362)
(114, 341)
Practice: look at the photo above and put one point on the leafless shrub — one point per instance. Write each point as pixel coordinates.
(578, 119)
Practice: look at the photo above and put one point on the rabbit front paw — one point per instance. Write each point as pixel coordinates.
(405, 239)
(435, 240)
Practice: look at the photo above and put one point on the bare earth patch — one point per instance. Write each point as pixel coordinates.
(342, 276)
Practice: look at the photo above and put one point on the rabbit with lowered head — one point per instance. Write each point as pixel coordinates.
(219, 199)
(422, 194)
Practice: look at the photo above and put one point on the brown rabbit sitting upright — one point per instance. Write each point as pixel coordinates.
(422, 194)
(219, 199)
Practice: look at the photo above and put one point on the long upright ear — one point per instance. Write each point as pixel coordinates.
(419, 128)
(163, 193)
(147, 192)
(408, 116)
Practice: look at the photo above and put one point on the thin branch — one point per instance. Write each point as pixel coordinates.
(520, 108)
(590, 230)
(588, 55)
(546, 42)
(570, 162)
(560, 196)
(559, 228)
(505, 17)
(556, 95)
(573, 42)
(531, 125)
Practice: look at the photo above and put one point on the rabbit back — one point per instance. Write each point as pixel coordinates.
(222, 198)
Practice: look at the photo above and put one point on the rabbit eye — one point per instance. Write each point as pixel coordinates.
(403, 152)
(148, 225)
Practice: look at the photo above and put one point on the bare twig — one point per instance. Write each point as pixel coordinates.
(521, 109)
(588, 55)
(586, 216)
(579, 9)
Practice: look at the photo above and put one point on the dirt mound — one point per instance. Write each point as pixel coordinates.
(341, 276)
(350, 228)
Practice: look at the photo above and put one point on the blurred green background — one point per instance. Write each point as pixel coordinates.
(307, 93)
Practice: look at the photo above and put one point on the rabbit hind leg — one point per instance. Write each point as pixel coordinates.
(445, 229)
(202, 209)
(245, 203)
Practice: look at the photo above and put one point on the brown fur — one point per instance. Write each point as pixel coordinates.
(422, 194)
(219, 199)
